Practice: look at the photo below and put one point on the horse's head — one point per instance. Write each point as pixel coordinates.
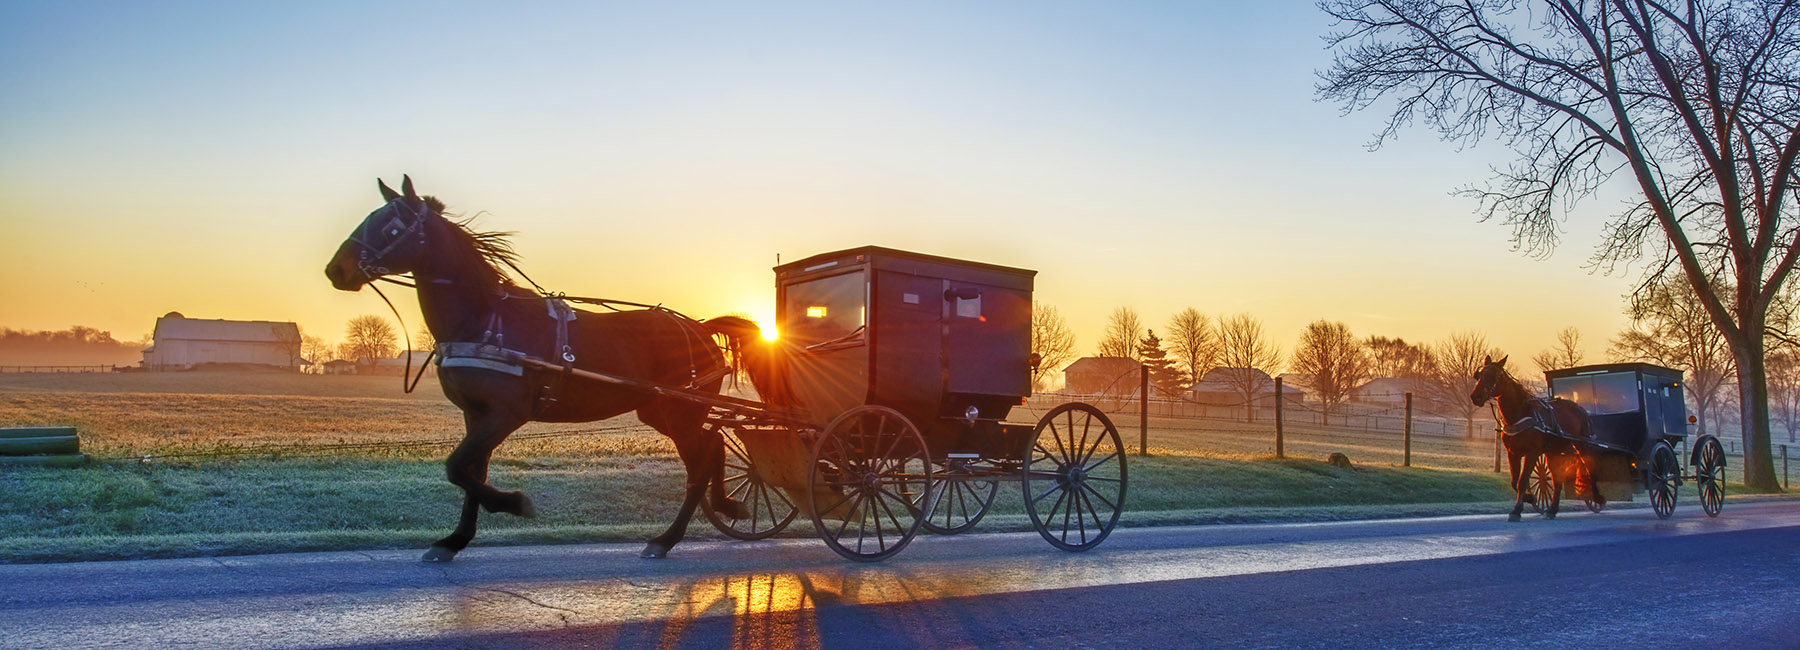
(389, 241)
(1487, 381)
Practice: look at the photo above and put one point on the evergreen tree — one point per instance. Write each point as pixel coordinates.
(1165, 376)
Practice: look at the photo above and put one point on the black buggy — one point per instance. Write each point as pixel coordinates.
(887, 411)
(1639, 423)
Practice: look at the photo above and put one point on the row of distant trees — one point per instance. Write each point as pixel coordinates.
(365, 337)
(1668, 327)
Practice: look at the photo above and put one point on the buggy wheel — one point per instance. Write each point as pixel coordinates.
(1542, 484)
(1074, 477)
(872, 464)
(959, 504)
(1661, 477)
(1710, 474)
(766, 508)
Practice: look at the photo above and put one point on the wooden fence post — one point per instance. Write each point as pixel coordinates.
(1144, 410)
(1279, 452)
(1407, 461)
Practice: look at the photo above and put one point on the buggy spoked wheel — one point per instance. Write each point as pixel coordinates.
(1542, 484)
(1661, 476)
(764, 509)
(959, 503)
(1074, 477)
(871, 470)
(1710, 474)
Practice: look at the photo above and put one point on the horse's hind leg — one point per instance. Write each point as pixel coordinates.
(467, 468)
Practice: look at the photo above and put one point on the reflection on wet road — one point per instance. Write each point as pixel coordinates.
(743, 594)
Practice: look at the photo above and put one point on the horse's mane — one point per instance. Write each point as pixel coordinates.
(495, 247)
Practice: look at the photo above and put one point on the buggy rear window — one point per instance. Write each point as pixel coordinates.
(1601, 394)
(825, 309)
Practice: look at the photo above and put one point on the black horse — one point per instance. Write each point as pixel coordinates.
(467, 299)
(1529, 423)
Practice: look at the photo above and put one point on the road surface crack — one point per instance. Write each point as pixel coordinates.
(563, 612)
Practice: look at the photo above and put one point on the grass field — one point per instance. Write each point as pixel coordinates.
(241, 463)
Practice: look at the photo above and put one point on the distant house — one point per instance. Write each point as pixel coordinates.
(340, 367)
(1224, 387)
(1391, 392)
(181, 343)
(1097, 375)
(393, 367)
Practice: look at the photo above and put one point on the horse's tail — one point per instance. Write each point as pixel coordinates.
(755, 356)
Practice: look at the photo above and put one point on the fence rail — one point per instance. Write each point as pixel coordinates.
(55, 369)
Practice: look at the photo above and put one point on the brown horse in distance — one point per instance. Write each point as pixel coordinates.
(1526, 438)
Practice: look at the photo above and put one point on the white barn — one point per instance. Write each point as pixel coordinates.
(181, 343)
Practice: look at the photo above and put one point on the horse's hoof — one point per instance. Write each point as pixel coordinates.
(1513, 517)
(1549, 515)
(438, 554)
(526, 510)
(654, 552)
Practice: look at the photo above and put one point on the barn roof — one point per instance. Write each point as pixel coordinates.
(1108, 365)
(174, 327)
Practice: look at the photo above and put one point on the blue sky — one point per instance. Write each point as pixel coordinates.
(208, 158)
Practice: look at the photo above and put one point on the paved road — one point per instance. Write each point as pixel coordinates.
(1606, 580)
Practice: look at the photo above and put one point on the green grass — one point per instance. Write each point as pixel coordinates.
(131, 510)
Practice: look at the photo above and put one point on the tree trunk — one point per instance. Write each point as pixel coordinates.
(1753, 399)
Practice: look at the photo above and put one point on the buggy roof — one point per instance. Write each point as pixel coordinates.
(892, 259)
(1646, 368)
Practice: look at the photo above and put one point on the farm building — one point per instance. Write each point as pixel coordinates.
(1224, 387)
(340, 367)
(1097, 375)
(181, 343)
(395, 366)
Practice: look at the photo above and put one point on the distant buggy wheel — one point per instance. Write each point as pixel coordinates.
(766, 510)
(1074, 477)
(1542, 483)
(958, 504)
(1710, 474)
(873, 462)
(1661, 477)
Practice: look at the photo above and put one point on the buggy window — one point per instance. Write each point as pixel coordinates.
(1602, 394)
(825, 309)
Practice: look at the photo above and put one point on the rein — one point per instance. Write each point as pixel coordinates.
(404, 385)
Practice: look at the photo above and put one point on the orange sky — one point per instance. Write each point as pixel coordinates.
(155, 161)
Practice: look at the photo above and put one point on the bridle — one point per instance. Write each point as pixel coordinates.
(372, 260)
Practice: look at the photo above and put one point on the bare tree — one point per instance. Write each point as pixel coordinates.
(1243, 352)
(368, 337)
(1669, 326)
(1193, 343)
(290, 342)
(424, 339)
(1454, 363)
(1784, 388)
(1051, 340)
(1566, 353)
(1397, 358)
(1123, 331)
(315, 350)
(1693, 101)
(1336, 361)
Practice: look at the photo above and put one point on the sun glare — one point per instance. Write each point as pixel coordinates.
(768, 330)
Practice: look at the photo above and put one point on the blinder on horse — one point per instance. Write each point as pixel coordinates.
(378, 242)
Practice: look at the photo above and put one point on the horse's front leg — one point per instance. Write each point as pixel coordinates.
(1519, 478)
(701, 454)
(467, 468)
